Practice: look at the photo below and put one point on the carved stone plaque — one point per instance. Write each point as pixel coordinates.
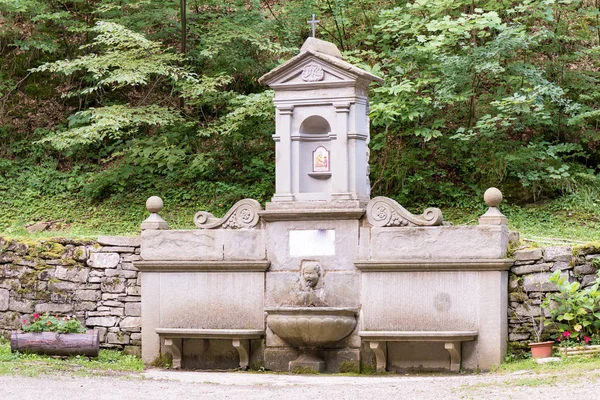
(314, 242)
(312, 72)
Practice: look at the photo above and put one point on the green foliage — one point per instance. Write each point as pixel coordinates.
(576, 310)
(48, 323)
(469, 89)
(100, 105)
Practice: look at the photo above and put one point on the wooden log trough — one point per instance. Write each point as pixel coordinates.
(57, 344)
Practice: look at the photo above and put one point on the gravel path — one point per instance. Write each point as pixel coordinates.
(183, 385)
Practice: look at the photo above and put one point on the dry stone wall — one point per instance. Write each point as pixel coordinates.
(95, 281)
(528, 285)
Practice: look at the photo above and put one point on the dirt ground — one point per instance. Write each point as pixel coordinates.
(183, 385)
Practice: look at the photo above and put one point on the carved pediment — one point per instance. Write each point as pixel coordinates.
(312, 71)
(314, 68)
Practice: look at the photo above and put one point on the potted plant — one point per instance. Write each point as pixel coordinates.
(540, 349)
(576, 311)
(53, 335)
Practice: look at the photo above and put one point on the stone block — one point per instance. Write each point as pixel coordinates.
(282, 288)
(513, 283)
(126, 241)
(46, 275)
(243, 244)
(128, 266)
(114, 249)
(136, 336)
(121, 273)
(89, 286)
(133, 309)
(443, 242)
(62, 286)
(347, 359)
(53, 308)
(560, 253)
(99, 312)
(278, 358)
(113, 296)
(130, 258)
(529, 269)
(113, 303)
(113, 285)
(133, 350)
(104, 260)
(515, 337)
(561, 266)
(428, 300)
(10, 284)
(131, 324)
(71, 274)
(588, 280)
(342, 289)
(22, 306)
(345, 246)
(26, 263)
(116, 338)
(60, 297)
(134, 290)
(518, 263)
(181, 245)
(528, 255)
(517, 297)
(13, 271)
(229, 300)
(95, 279)
(117, 311)
(132, 299)
(539, 282)
(80, 253)
(7, 258)
(584, 269)
(87, 295)
(4, 299)
(527, 311)
(10, 320)
(85, 306)
(101, 333)
(102, 321)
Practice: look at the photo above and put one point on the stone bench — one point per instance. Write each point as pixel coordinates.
(452, 342)
(240, 339)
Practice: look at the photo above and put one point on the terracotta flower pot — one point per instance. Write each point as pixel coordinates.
(541, 350)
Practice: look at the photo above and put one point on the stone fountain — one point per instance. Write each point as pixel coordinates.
(324, 275)
(309, 325)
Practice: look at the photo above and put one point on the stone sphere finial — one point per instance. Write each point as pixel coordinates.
(492, 197)
(154, 204)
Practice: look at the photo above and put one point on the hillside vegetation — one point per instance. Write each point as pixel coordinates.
(105, 103)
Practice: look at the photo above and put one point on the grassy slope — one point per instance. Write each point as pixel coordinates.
(121, 215)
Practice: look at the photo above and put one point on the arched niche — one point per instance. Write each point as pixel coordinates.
(315, 125)
(315, 144)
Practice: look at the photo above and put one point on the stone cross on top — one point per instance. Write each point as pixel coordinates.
(314, 23)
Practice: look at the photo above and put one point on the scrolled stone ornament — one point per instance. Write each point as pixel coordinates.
(383, 211)
(243, 215)
(312, 72)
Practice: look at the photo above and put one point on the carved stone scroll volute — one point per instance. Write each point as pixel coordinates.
(383, 211)
(243, 215)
